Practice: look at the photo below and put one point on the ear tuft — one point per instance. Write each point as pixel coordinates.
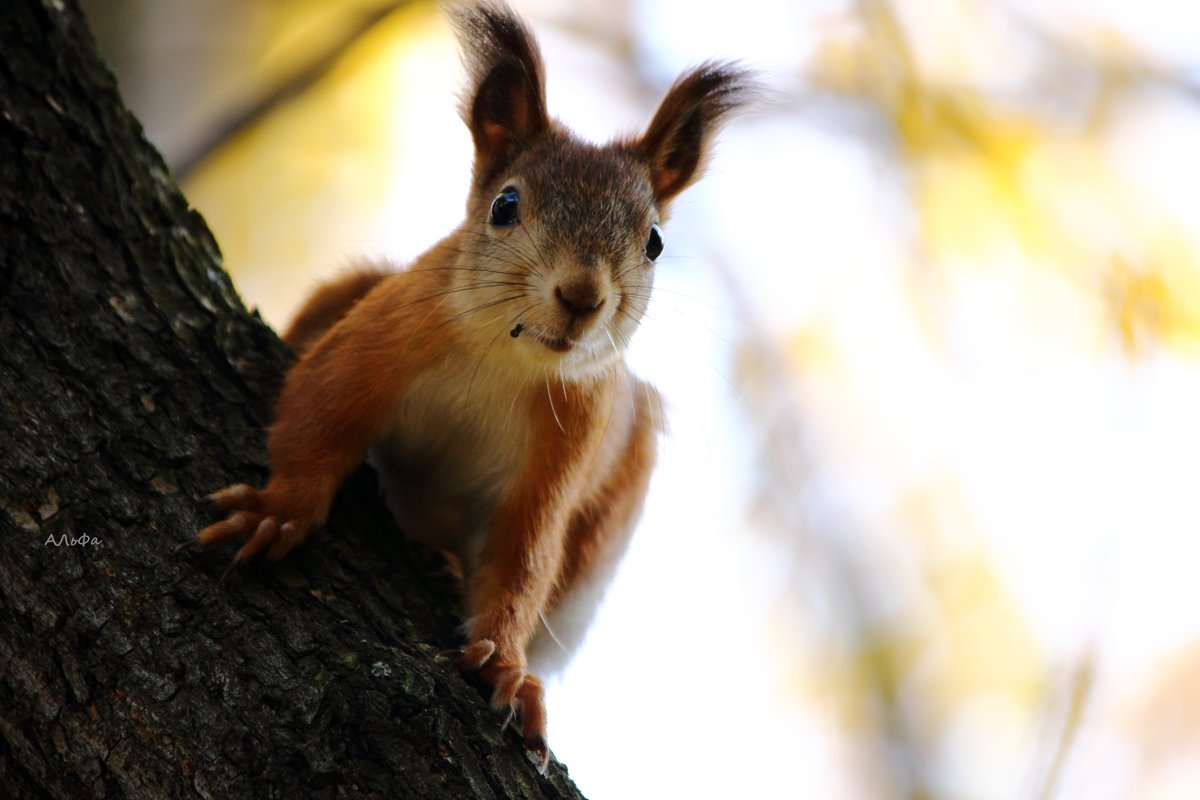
(679, 139)
(504, 105)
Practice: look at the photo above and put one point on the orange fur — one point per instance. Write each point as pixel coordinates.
(488, 381)
(328, 303)
(614, 494)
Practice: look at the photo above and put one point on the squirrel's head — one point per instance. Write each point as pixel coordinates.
(556, 257)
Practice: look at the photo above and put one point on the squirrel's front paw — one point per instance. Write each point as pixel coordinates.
(273, 518)
(514, 689)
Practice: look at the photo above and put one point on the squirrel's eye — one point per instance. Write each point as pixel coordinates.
(654, 245)
(505, 207)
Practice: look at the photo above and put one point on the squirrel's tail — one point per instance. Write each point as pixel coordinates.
(329, 302)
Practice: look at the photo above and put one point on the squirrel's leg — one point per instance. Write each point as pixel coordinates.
(599, 532)
(521, 559)
(334, 401)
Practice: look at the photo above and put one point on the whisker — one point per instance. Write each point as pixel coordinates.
(508, 248)
(521, 267)
(550, 631)
(483, 356)
(612, 341)
(489, 304)
(658, 290)
(550, 397)
(447, 292)
(532, 305)
(469, 311)
(636, 265)
(624, 339)
(509, 273)
(487, 252)
(645, 315)
(537, 250)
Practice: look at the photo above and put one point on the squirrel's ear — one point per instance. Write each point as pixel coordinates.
(681, 134)
(505, 102)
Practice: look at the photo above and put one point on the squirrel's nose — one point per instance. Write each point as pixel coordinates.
(579, 298)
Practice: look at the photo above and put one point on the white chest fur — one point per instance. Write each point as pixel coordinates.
(453, 448)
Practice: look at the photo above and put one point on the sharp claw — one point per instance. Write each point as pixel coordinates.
(508, 718)
(283, 538)
(238, 492)
(453, 654)
(218, 532)
(264, 534)
(232, 566)
(543, 755)
(190, 544)
(478, 654)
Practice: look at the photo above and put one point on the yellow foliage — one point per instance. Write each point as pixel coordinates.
(1156, 301)
(989, 176)
(300, 192)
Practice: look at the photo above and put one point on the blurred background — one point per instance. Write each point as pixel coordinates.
(926, 522)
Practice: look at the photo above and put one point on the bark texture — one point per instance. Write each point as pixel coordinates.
(132, 382)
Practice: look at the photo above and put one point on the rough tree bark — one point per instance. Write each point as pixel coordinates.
(132, 382)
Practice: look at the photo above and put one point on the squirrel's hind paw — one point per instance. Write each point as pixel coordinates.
(514, 690)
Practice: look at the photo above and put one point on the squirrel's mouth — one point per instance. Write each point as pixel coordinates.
(560, 344)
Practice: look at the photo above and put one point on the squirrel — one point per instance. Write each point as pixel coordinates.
(487, 381)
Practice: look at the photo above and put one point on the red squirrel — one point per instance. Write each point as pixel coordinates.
(487, 381)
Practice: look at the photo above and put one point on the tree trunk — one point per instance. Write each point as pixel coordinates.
(132, 382)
